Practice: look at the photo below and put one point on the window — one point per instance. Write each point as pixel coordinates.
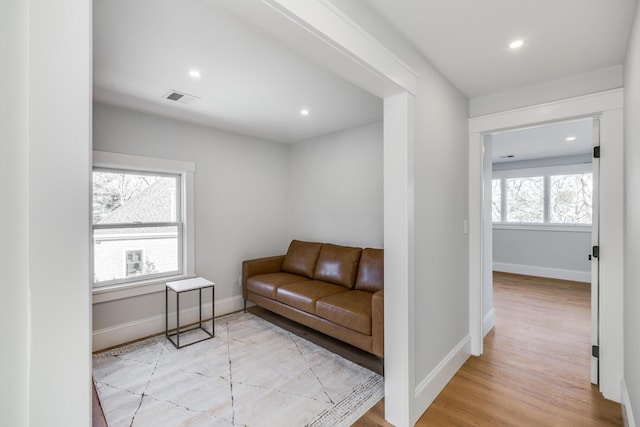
(134, 262)
(136, 212)
(570, 198)
(143, 224)
(551, 195)
(525, 199)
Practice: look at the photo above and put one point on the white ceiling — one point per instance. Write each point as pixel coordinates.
(253, 84)
(467, 40)
(543, 141)
(250, 83)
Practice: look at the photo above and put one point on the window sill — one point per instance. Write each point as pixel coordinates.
(128, 290)
(543, 227)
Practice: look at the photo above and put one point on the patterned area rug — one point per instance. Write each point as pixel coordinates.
(252, 373)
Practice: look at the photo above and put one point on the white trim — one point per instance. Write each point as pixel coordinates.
(534, 270)
(331, 38)
(186, 170)
(489, 322)
(608, 107)
(104, 159)
(130, 331)
(577, 228)
(399, 306)
(571, 169)
(580, 106)
(128, 290)
(432, 385)
(476, 240)
(627, 409)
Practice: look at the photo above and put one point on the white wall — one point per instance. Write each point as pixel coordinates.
(632, 224)
(555, 90)
(336, 188)
(556, 254)
(240, 198)
(441, 206)
(14, 255)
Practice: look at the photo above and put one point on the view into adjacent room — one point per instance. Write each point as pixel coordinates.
(251, 142)
(543, 215)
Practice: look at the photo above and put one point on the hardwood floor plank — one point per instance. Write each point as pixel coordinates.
(535, 370)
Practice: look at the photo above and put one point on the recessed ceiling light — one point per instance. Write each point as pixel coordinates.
(195, 74)
(516, 44)
(304, 112)
(570, 138)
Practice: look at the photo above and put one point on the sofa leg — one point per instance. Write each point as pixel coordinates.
(245, 306)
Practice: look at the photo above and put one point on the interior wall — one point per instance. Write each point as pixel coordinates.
(559, 254)
(336, 188)
(14, 255)
(441, 162)
(554, 90)
(240, 198)
(59, 158)
(632, 222)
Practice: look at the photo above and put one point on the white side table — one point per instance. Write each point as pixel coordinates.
(179, 287)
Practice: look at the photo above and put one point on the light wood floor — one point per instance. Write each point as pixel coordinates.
(535, 368)
(534, 371)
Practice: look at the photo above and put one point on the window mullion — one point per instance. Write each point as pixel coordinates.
(136, 225)
(503, 201)
(547, 199)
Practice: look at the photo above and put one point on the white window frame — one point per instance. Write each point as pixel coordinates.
(186, 170)
(546, 172)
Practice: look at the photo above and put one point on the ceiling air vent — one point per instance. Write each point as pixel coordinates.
(183, 98)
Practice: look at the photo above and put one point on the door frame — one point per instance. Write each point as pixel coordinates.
(608, 106)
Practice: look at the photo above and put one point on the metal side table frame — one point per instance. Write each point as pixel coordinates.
(182, 286)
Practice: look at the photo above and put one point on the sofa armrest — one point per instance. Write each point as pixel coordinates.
(377, 323)
(253, 267)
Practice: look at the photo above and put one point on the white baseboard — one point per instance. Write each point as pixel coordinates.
(125, 332)
(488, 322)
(432, 385)
(533, 270)
(627, 409)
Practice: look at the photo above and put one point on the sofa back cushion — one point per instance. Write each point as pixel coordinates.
(301, 258)
(338, 264)
(371, 270)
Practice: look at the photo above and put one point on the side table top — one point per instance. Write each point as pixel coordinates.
(189, 284)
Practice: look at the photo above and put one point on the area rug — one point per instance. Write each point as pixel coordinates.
(252, 373)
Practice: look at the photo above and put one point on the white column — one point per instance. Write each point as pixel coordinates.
(399, 260)
(59, 102)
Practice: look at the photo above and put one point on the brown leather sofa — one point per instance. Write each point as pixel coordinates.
(337, 290)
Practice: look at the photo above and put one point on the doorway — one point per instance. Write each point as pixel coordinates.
(608, 107)
(541, 213)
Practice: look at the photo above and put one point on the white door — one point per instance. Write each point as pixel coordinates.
(595, 242)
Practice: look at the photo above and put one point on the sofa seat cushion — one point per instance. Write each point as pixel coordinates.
(349, 309)
(304, 295)
(267, 284)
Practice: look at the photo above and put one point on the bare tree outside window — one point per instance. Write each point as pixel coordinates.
(525, 199)
(571, 198)
(112, 190)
